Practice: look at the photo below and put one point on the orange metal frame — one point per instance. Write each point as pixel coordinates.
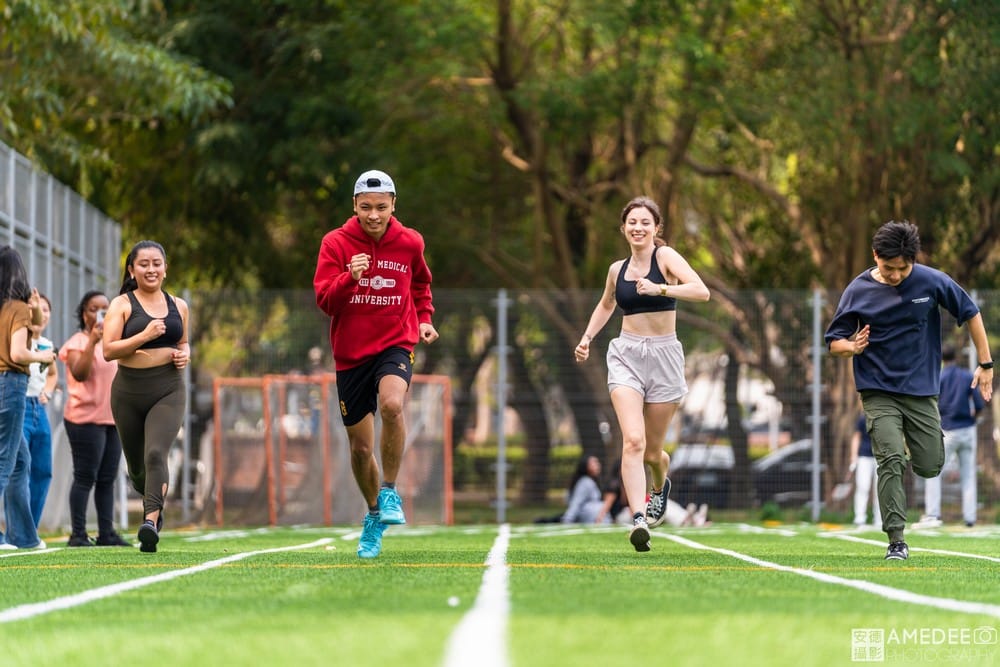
(275, 482)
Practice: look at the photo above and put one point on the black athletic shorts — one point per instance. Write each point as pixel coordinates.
(358, 387)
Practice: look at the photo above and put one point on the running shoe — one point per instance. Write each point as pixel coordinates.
(927, 521)
(148, 537)
(112, 540)
(78, 540)
(390, 507)
(897, 551)
(639, 535)
(656, 507)
(370, 544)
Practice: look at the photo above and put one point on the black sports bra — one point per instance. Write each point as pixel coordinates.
(139, 318)
(632, 302)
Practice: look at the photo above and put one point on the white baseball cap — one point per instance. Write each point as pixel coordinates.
(374, 181)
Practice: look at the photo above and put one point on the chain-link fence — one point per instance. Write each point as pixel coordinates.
(759, 392)
(762, 392)
(68, 247)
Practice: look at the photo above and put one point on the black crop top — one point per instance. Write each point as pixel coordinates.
(139, 319)
(632, 302)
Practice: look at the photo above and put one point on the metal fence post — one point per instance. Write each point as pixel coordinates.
(816, 394)
(501, 405)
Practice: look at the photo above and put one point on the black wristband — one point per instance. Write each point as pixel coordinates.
(986, 365)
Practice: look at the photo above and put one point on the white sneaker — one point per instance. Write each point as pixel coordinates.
(7, 546)
(927, 521)
(41, 545)
(639, 535)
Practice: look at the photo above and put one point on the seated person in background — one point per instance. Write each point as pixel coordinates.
(614, 509)
(585, 504)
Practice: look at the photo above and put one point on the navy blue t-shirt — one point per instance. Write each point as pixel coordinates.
(959, 402)
(904, 347)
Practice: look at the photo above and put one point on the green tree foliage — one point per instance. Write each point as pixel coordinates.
(252, 189)
(74, 72)
(776, 136)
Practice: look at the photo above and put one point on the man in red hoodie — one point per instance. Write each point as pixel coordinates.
(372, 280)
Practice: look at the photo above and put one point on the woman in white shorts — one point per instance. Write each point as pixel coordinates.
(646, 361)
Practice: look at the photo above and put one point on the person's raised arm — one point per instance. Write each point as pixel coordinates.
(114, 346)
(182, 354)
(336, 278)
(21, 352)
(689, 287)
(79, 362)
(603, 311)
(848, 347)
(982, 377)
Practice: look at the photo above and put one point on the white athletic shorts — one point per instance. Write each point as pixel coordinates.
(653, 366)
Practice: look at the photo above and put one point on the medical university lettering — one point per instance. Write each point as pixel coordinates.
(377, 300)
(391, 266)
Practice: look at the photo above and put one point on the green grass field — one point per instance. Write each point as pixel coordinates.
(524, 596)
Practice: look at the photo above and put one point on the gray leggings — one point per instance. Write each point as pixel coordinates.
(148, 407)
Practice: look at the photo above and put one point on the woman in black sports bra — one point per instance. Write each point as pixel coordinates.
(646, 361)
(146, 331)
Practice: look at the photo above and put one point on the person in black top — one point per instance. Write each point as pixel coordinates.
(146, 331)
(646, 361)
(615, 502)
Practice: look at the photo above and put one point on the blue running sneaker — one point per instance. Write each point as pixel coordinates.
(370, 544)
(390, 507)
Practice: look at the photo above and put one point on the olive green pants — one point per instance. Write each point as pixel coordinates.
(903, 429)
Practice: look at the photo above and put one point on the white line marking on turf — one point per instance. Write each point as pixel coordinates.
(481, 637)
(30, 552)
(24, 611)
(943, 552)
(747, 528)
(888, 592)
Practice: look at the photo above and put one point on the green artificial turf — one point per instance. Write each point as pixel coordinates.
(576, 596)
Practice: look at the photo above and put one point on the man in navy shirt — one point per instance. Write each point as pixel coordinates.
(960, 404)
(889, 322)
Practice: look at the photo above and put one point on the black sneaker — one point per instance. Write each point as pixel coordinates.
(639, 535)
(897, 551)
(656, 508)
(112, 540)
(148, 537)
(79, 541)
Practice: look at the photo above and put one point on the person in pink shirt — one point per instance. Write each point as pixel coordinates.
(93, 438)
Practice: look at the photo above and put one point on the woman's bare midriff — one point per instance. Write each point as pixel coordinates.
(662, 323)
(157, 356)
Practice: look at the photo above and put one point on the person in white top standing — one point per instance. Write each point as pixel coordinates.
(37, 432)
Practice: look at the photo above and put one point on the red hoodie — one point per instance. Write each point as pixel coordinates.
(384, 308)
